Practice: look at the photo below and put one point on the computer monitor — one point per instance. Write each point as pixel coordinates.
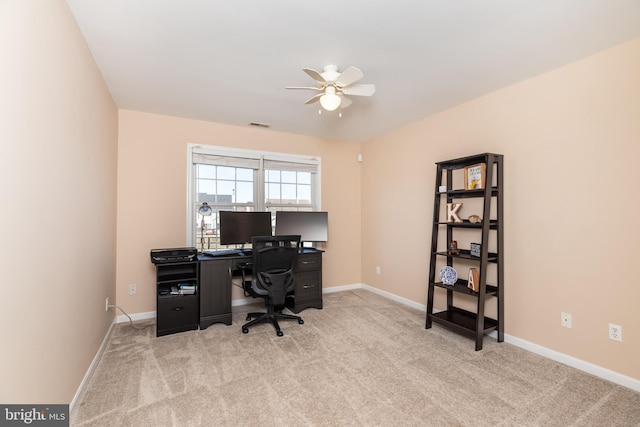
(311, 226)
(237, 228)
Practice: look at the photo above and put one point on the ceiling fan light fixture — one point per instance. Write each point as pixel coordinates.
(334, 88)
(330, 101)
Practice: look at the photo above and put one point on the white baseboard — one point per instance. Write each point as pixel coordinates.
(243, 301)
(385, 294)
(92, 367)
(395, 297)
(342, 288)
(565, 359)
(137, 316)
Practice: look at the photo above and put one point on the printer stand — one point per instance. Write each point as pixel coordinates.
(176, 312)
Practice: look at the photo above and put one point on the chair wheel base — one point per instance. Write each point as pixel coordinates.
(279, 333)
(245, 330)
(300, 322)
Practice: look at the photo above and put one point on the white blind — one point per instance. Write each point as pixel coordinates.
(254, 163)
(217, 160)
(290, 166)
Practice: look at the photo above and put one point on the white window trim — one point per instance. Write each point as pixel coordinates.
(253, 154)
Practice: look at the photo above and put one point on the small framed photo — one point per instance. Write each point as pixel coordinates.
(475, 249)
(474, 177)
(453, 248)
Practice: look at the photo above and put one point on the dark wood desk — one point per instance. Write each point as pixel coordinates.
(214, 282)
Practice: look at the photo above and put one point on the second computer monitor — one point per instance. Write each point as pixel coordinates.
(311, 226)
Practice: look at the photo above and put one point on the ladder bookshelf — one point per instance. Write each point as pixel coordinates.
(458, 181)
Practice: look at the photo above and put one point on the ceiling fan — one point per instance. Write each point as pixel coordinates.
(334, 86)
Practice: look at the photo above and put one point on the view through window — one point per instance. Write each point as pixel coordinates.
(245, 181)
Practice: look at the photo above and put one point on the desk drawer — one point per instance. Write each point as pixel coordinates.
(308, 286)
(176, 314)
(309, 262)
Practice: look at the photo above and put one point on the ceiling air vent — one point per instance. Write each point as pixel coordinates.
(260, 125)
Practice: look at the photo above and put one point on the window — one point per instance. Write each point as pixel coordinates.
(289, 186)
(243, 180)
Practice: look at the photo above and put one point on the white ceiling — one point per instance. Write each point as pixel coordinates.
(229, 61)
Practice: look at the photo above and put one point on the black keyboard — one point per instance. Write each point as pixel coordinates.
(222, 253)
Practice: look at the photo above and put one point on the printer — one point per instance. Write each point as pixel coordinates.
(163, 256)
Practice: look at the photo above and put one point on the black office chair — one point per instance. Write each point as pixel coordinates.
(272, 278)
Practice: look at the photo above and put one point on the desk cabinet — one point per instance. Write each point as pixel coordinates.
(176, 313)
(215, 291)
(308, 276)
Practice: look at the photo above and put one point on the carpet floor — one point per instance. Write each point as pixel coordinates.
(363, 360)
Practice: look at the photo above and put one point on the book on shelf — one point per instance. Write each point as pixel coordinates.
(187, 289)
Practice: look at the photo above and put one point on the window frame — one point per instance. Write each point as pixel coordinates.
(305, 161)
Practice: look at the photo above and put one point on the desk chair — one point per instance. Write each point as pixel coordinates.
(272, 278)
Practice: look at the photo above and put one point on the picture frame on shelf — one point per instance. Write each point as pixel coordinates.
(453, 248)
(474, 177)
(475, 249)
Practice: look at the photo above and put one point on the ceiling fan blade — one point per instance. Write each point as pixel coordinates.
(315, 98)
(359, 90)
(314, 74)
(349, 76)
(303, 87)
(345, 101)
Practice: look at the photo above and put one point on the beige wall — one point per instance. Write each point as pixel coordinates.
(152, 194)
(58, 142)
(571, 141)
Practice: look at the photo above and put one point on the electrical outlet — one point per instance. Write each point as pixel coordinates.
(565, 320)
(615, 332)
(106, 305)
(377, 269)
(133, 289)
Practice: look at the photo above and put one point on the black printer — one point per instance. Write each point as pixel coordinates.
(162, 256)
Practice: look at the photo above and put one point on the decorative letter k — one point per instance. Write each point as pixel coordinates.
(452, 212)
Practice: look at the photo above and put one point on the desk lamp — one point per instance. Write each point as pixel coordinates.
(203, 210)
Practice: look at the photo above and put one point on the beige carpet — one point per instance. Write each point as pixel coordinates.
(363, 360)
